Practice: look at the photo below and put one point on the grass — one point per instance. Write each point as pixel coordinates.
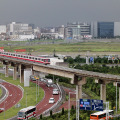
(31, 97)
(36, 46)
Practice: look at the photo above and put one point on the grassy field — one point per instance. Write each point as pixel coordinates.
(30, 92)
(38, 46)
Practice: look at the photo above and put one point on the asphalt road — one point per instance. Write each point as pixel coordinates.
(14, 96)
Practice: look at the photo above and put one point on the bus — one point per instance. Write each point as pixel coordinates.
(27, 113)
(101, 115)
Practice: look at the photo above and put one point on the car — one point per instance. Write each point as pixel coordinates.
(1, 110)
(51, 100)
(55, 91)
(49, 83)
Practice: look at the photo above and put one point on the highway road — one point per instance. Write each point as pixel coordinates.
(43, 105)
(14, 95)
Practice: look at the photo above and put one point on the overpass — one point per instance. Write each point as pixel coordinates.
(78, 77)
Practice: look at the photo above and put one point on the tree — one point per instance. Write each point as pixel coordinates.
(50, 113)
(41, 116)
(62, 111)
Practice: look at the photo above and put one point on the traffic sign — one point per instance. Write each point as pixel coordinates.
(85, 104)
(91, 59)
(97, 105)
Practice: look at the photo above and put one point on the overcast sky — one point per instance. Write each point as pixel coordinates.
(58, 12)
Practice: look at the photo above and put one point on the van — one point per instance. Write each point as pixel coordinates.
(55, 91)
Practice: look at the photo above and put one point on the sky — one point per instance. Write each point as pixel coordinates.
(53, 13)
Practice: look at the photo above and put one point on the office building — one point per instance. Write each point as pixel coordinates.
(105, 29)
(2, 29)
(76, 30)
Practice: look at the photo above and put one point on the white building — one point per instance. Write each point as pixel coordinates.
(26, 37)
(94, 29)
(2, 29)
(19, 29)
(116, 29)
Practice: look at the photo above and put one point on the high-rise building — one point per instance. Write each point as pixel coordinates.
(76, 30)
(73, 30)
(94, 29)
(116, 29)
(19, 29)
(105, 29)
(2, 29)
(61, 31)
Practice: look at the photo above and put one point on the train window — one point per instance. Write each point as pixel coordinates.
(21, 56)
(9, 54)
(13, 54)
(35, 58)
(18, 55)
(42, 59)
(6, 53)
(29, 57)
(38, 58)
(48, 60)
(26, 56)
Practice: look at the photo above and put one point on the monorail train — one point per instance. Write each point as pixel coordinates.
(26, 57)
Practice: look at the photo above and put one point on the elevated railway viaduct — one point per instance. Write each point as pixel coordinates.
(78, 77)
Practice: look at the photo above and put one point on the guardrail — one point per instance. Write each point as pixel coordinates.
(6, 95)
(46, 113)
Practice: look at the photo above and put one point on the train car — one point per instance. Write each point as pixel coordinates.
(26, 57)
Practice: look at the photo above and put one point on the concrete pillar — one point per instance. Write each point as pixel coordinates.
(103, 92)
(15, 73)
(21, 73)
(6, 71)
(80, 83)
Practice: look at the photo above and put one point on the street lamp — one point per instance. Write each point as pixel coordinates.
(116, 97)
(69, 105)
(4, 108)
(26, 98)
(36, 91)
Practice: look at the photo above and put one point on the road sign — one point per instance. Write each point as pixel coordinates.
(97, 105)
(85, 104)
(91, 59)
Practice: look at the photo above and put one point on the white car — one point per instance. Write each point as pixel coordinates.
(51, 100)
(55, 91)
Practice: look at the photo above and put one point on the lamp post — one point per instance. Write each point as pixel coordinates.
(36, 91)
(38, 87)
(4, 108)
(69, 105)
(26, 98)
(116, 97)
